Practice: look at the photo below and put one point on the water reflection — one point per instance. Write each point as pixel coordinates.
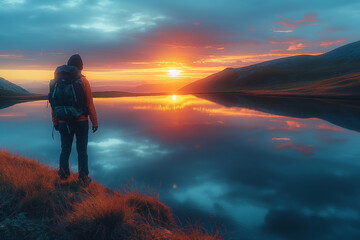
(344, 113)
(253, 172)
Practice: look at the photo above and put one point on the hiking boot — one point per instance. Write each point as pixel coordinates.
(85, 181)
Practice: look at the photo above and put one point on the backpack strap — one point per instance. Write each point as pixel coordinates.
(74, 94)
(53, 95)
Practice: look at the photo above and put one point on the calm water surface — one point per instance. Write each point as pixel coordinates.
(255, 174)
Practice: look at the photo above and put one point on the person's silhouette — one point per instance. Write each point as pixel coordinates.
(72, 102)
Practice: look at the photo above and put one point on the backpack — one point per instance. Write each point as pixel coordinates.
(67, 94)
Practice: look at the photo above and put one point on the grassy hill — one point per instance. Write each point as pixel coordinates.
(335, 73)
(35, 204)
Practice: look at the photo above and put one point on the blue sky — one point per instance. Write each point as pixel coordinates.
(140, 40)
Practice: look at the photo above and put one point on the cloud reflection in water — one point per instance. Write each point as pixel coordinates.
(259, 174)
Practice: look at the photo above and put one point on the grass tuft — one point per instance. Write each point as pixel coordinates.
(35, 204)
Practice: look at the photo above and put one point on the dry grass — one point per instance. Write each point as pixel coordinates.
(35, 204)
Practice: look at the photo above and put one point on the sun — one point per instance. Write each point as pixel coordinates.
(174, 72)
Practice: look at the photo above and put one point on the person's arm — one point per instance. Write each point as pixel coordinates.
(90, 102)
(54, 120)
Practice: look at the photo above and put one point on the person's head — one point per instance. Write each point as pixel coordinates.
(75, 60)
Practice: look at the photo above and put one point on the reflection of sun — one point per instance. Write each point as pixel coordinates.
(174, 72)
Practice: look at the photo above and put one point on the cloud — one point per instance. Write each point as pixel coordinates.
(291, 44)
(283, 31)
(327, 44)
(308, 19)
(98, 24)
(12, 115)
(112, 35)
(281, 139)
(107, 24)
(290, 125)
(295, 126)
(73, 3)
(11, 56)
(304, 149)
(13, 3)
(325, 126)
(108, 143)
(296, 46)
(294, 224)
(279, 194)
(191, 36)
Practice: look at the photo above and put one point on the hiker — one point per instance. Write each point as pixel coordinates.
(71, 102)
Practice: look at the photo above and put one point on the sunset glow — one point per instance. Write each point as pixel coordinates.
(174, 73)
(144, 47)
(191, 119)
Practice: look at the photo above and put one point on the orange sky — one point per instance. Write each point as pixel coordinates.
(138, 73)
(131, 47)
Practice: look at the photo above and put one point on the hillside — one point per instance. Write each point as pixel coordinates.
(333, 73)
(10, 89)
(35, 204)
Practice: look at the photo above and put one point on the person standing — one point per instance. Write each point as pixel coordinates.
(72, 103)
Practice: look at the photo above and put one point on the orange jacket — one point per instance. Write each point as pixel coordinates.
(89, 103)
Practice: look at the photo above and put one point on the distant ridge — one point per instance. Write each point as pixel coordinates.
(10, 89)
(335, 73)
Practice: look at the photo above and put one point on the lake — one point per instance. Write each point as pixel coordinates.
(252, 168)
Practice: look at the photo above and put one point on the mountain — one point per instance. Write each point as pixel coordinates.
(10, 89)
(333, 73)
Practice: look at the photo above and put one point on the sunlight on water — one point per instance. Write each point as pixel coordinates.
(240, 165)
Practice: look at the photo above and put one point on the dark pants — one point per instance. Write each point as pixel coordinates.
(67, 132)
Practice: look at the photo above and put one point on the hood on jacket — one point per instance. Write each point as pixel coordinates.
(75, 60)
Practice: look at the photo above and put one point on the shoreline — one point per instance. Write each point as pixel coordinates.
(110, 94)
(36, 204)
(115, 94)
(280, 95)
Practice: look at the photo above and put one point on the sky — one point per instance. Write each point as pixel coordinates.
(132, 45)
